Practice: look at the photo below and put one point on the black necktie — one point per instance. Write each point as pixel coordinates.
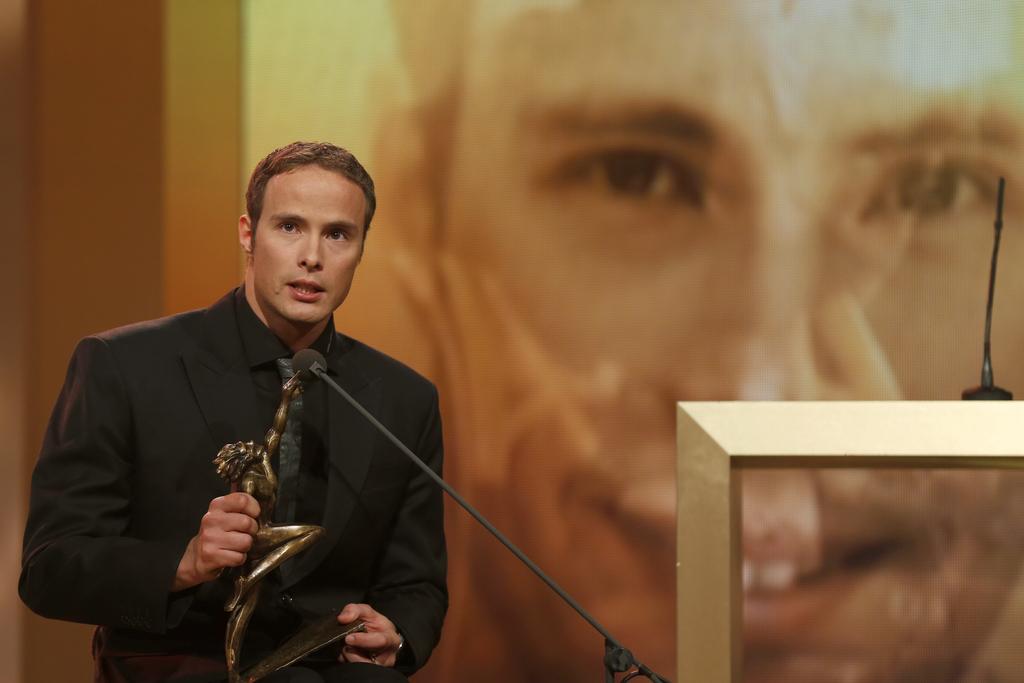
(289, 452)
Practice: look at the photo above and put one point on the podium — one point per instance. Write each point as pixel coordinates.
(715, 440)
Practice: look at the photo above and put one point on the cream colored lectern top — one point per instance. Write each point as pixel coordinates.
(714, 439)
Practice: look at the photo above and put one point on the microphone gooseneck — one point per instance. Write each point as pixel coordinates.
(988, 391)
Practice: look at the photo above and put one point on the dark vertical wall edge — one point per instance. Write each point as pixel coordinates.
(15, 237)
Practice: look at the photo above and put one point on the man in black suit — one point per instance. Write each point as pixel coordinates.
(129, 526)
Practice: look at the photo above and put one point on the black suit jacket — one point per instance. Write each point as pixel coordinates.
(125, 475)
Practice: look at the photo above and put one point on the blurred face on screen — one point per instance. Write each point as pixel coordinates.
(657, 201)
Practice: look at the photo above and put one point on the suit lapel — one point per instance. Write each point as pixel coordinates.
(350, 442)
(226, 399)
(220, 379)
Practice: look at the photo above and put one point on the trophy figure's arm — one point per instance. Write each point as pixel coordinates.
(291, 389)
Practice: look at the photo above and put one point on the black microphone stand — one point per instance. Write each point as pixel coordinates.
(617, 659)
(988, 391)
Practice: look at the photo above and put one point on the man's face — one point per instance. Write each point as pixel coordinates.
(714, 200)
(305, 250)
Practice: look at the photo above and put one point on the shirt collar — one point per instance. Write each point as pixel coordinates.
(261, 345)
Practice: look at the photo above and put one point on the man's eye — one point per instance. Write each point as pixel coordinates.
(931, 190)
(639, 174)
(336, 235)
(289, 227)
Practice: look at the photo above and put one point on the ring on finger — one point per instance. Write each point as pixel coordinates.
(373, 658)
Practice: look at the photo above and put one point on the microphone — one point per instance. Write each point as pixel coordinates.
(308, 360)
(617, 659)
(988, 391)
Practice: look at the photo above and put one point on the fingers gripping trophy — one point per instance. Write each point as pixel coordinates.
(247, 467)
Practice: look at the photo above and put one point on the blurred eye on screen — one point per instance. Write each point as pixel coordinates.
(925, 204)
(940, 191)
(945, 189)
(637, 175)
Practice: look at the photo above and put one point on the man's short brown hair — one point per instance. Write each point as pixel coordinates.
(323, 154)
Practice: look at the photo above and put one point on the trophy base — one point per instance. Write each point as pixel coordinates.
(309, 639)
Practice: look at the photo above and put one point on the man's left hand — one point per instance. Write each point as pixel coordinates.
(378, 645)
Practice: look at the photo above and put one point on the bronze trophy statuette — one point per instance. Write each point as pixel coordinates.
(247, 467)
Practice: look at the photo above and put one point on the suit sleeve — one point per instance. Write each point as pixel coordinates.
(80, 561)
(411, 588)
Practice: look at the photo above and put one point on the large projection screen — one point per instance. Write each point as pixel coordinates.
(718, 439)
(591, 210)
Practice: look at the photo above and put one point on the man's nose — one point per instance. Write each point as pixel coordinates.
(827, 351)
(310, 256)
(797, 331)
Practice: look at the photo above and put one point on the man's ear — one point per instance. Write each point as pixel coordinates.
(245, 233)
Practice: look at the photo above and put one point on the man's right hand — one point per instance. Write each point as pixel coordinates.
(225, 536)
